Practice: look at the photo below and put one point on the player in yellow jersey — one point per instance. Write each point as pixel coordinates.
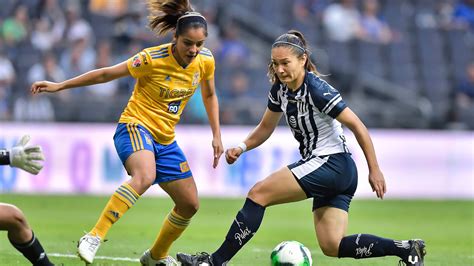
(166, 77)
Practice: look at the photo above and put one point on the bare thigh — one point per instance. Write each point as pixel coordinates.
(279, 187)
(330, 225)
(184, 194)
(141, 166)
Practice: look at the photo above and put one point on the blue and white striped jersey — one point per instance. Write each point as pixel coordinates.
(310, 112)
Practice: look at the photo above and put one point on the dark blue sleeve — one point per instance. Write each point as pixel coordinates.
(327, 99)
(274, 100)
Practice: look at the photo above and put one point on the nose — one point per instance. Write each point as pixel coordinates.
(280, 69)
(193, 49)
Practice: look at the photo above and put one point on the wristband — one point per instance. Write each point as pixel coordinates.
(4, 157)
(242, 146)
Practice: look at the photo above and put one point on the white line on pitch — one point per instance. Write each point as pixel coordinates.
(96, 257)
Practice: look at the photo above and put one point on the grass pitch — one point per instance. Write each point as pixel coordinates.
(59, 221)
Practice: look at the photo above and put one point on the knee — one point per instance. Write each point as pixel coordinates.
(142, 181)
(188, 209)
(256, 194)
(330, 248)
(16, 219)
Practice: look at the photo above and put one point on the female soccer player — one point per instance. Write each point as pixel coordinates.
(12, 219)
(326, 172)
(167, 76)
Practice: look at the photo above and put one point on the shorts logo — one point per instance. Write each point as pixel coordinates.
(173, 107)
(148, 140)
(136, 61)
(184, 167)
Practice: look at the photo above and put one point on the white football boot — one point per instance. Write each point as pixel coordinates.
(87, 247)
(147, 260)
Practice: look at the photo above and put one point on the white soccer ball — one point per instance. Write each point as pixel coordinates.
(291, 253)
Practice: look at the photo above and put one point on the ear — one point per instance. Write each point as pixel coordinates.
(303, 58)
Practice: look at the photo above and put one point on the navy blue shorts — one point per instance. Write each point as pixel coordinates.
(330, 180)
(171, 164)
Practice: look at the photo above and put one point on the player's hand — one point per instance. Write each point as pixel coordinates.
(218, 150)
(231, 155)
(28, 158)
(45, 86)
(377, 182)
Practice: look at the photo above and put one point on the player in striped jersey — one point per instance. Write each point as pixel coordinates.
(166, 78)
(326, 172)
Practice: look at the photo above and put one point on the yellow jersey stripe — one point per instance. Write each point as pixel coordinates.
(132, 140)
(134, 133)
(139, 137)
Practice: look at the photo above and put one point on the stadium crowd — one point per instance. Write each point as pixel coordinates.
(422, 50)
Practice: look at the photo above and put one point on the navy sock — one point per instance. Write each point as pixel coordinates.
(369, 246)
(33, 251)
(243, 228)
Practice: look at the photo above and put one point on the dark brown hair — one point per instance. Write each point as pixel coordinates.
(294, 40)
(164, 15)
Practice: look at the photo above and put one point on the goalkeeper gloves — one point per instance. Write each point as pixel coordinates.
(28, 158)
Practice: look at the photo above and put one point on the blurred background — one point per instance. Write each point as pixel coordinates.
(399, 64)
(405, 66)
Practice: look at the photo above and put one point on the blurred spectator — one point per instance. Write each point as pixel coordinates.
(373, 29)
(233, 52)
(15, 29)
(464, 13)
(104, 91)
(341, 21)
(48, 69)
(465, 98)
(33, 108)
(240, 102)
(108, 8)
(7, 77)
(49, 27)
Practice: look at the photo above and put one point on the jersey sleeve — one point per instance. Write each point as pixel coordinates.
(274, 100)
(140, 65)
(328, 100)
(209, 64)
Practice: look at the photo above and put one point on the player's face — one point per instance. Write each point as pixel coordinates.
(286, 64)
(188, 45)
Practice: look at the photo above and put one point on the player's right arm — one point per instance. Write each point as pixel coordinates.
(96, 76)
(258, 136)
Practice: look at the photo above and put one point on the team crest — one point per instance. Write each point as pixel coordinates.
(195, 79)
(136, 61)
(184, 167)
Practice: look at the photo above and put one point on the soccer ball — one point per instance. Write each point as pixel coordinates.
(291, 253)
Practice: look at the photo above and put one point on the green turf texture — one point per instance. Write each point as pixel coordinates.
(59, 221)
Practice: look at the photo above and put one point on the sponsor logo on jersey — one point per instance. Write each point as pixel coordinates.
(195, 79)
(136, 61)
(292, 121)
(173, 107)
(145, 61)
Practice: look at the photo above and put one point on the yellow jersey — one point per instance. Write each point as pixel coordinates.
(163, 88)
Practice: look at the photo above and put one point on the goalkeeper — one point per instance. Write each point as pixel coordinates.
(12, 219)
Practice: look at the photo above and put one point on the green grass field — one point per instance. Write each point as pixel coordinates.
(59, 221)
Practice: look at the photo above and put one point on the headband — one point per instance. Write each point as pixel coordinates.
(190, 17)
(289, 43)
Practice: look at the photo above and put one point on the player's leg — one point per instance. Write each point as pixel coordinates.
(331, 219)
(21, 236)
(280, 187)
(175, 178)
(139, 160)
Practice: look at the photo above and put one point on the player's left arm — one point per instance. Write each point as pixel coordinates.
(209, 98)
(376, 178)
